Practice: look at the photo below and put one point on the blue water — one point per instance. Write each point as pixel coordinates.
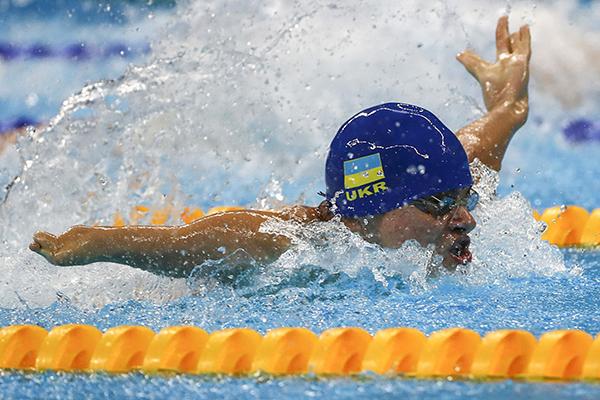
(135, 386)
(322, 301)
(49, 50)
(222, 117)
(318, 300)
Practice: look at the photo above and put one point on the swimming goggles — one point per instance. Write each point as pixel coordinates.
(442, 203)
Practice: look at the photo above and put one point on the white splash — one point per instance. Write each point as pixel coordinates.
(244, 95)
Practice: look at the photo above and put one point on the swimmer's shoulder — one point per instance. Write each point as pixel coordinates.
(298, 213)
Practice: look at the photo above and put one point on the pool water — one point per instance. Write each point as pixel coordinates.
(70, 386)
(50, 50)
(322, 301)
(222, 116)
(318, 299)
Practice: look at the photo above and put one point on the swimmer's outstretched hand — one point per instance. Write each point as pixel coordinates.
(504, 86)
(504, 83)
(46, 245)
(57, 250)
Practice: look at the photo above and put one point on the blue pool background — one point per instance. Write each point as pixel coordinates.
(84, 41)
(542, 164)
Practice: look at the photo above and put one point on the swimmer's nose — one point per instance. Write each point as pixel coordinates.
(461, 221)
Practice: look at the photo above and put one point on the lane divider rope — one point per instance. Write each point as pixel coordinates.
(453, 352)
(571, 226)
(582, 130)
(76, 51)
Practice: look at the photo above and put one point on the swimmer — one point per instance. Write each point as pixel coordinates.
(394, 173)
(7, 139)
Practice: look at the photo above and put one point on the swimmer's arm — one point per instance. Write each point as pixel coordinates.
(171, 251)
(487, 138)
(505, 92)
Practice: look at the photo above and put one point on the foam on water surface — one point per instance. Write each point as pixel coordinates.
(244, 116)
(238, 107)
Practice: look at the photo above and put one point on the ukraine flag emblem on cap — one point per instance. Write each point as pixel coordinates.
(362, 171)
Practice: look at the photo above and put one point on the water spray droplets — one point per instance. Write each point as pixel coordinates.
(416, 169)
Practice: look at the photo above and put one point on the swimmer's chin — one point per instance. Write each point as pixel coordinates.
(452, 261)
(457, 253)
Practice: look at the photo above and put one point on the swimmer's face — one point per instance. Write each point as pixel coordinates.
(447, 229)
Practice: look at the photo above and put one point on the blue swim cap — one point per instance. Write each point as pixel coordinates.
(389, 155)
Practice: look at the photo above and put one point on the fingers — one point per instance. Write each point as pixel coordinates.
(514, 42)
(525, 41)
(44, 240)
(517, 42)
(520, 42)
(502, 37)
(472, 62)
(44, 244)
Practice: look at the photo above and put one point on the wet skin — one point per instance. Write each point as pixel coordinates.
(173, 251)
(449, 233)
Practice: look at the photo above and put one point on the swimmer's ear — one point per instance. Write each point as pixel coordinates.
(324, 210)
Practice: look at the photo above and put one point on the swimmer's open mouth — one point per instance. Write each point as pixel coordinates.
(460, 251)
